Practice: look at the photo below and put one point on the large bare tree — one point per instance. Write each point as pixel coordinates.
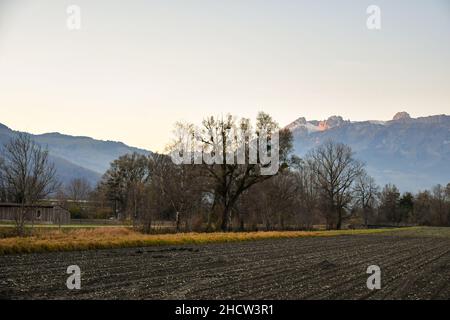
(307, 195)
(230, 178)
(27, 175)
(439, 206)
(366, 194)
(179, 187)
(335, 170)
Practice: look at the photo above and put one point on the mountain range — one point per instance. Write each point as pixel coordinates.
(77, 156)
(413, 153)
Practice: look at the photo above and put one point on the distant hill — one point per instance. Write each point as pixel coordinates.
(413, 153)
(76, 157)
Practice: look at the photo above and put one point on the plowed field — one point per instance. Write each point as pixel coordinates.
(413, 266)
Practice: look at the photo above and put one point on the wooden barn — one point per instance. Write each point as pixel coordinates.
(52, 214)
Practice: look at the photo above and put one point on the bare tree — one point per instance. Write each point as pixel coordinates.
(78, 189)
(74, 195)
(366, 193)
(230, 179)
(145, 204)
(27, 174)
(335, 170)
(307, 195)
(272, 201)
(3, 191)
(422, 208)
(122, 183)
(180, 187)
(438, 205)
(389, 210)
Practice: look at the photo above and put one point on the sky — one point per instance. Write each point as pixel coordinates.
(136, 67)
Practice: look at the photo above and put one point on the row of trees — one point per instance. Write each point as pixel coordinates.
(425, 208)
(327, 187)
(330, 188)
(153, 187)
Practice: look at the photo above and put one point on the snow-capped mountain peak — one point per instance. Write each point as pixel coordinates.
(314, 125)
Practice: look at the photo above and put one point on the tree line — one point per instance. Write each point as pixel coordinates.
(328, 187)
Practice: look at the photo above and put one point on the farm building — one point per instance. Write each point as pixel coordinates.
(52, 214)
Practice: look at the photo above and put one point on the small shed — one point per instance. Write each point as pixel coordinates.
(51, 214)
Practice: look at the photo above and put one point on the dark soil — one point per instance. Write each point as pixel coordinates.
(309, 268)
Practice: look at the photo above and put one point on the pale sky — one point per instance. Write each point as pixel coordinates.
(136, 67)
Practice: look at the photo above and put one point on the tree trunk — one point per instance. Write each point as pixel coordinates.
(147, 225)
(339, 221)
(226, 219)
(366, 217)
(177, 219)
(20, 221)
(242, 223)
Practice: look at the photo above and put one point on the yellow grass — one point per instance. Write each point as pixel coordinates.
(102, 238)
